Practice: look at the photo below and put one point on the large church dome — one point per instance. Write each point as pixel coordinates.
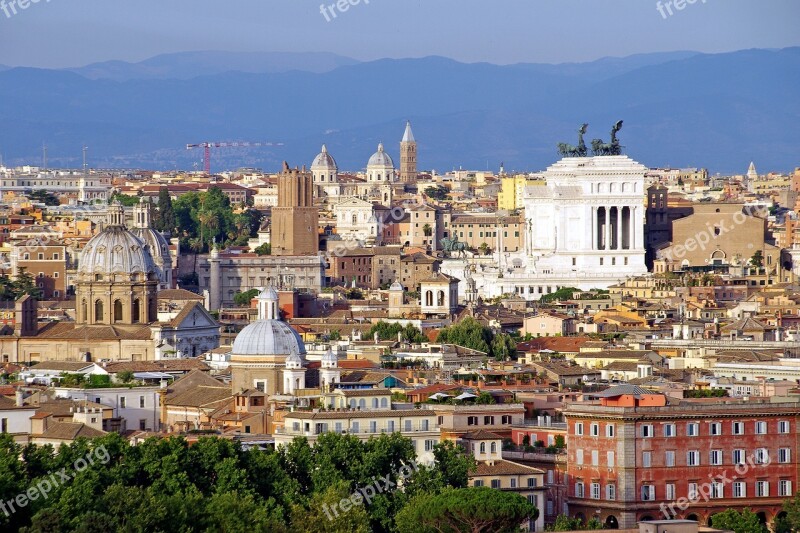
(268, 336)
(324, 161)
(156, 243)
(116, 250)
(380, 159)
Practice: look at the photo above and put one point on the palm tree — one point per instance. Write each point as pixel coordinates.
(208, 220)
(196, 245)
(427, 230)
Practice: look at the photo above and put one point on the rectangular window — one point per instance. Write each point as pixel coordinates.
(373, 426)
(122, 402)
(715, 457)
(610, 430)
(648, 493)
(669, 491)
(141, 402)
(646, 459)
(738, 428)
(647, 430)
(594, 429)
(762, 456)
(715, 428)
(669, 430)
(761, 428)
(595, 491)
(692, 458)
(785, 488)
(579, 428)
(595, 458)
(579, 489)
(550, 477)
(738, 457)
(692, 429)
(579, 457)
(611, 492)
(610, 459)
(408, 424)
(717, 489)
(488, 420)
(762, 489)
(513, 482)
(472, 420)
(495, 483)
(783, 426)
(532, 482)
(669, 458)
(691, 493)
(142, 424)
(784, 455)
(429, 444)
(478, 483)
(739, 489)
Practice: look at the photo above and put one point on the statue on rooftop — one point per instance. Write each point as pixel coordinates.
(567, 150)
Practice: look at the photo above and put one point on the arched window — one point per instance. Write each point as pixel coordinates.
(483, 447)
(440, 299)
(98, 311)
(493, 447)
(135, 311)
(355, 218)
(429, 298)
(84, 310)
(117, 310)
(384, 402)
(352, 404)
(362, 403)
(374, 403)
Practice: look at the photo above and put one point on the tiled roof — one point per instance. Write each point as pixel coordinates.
(197, 389)
(174, 365)
(69, 431)
(69, 330)
(482, 434)
(503, 468)
(365, 377)
(620, 390)
(179, 294)
(65, 407)
(61, 366)
(360, 414)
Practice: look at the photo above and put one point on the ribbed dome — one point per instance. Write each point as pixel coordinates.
(157, 244)
(268, 337)
(380, 159)
(116, 250)
(324, 161)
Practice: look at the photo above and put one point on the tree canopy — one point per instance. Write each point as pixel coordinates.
(244, 298)
(472, 334)
(164, 484)
(205, 217)
(470, 509)
(745, 521)
(387, 331)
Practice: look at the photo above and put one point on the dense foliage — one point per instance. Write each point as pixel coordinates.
(214, 485)
(43, 196)
(745, 521)
(22, 284)
(203, 218)
(566, 523)
(387, 331)
(126, 200)
(472, 334)
(564, 293)
(243, 299)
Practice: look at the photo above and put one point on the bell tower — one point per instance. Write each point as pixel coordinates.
(295, 220)
(408, 156)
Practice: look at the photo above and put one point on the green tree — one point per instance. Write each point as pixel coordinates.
(439, 192)
(125, 199)
(427, 230)
(389, 331)
(243, 299)
(126, 376)
(471, 509)
(24, 283)
(564, 293)
(745, 521)
(758, 259)
(504, 347)
(45, 197)
(264, 249)
(484, 249)
(791, 506)
(566, 523)
(165, 216)
(468, 333)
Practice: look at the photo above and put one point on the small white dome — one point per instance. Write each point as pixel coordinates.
(268, 294)
(396, 286)
(324, 161)
(158, 247)
(293, 361)
(116, 250)
(380, 159)
(329, 360)
(268, 337)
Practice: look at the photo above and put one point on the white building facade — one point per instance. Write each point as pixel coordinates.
(584, 229)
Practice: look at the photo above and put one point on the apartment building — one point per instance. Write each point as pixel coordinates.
(419, 425)
(633, 456)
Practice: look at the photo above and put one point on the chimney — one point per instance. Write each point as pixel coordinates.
(19, 397)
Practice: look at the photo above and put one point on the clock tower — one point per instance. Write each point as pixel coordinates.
(295, 219)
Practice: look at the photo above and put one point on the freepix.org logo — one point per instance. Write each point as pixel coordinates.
(12, 7)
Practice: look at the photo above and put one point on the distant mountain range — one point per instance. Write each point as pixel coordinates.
(718, 111)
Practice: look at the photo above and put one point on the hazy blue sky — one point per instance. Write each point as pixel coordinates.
(58, 33)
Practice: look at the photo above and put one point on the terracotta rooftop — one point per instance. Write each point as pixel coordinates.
(68, 431)
(503, 468)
